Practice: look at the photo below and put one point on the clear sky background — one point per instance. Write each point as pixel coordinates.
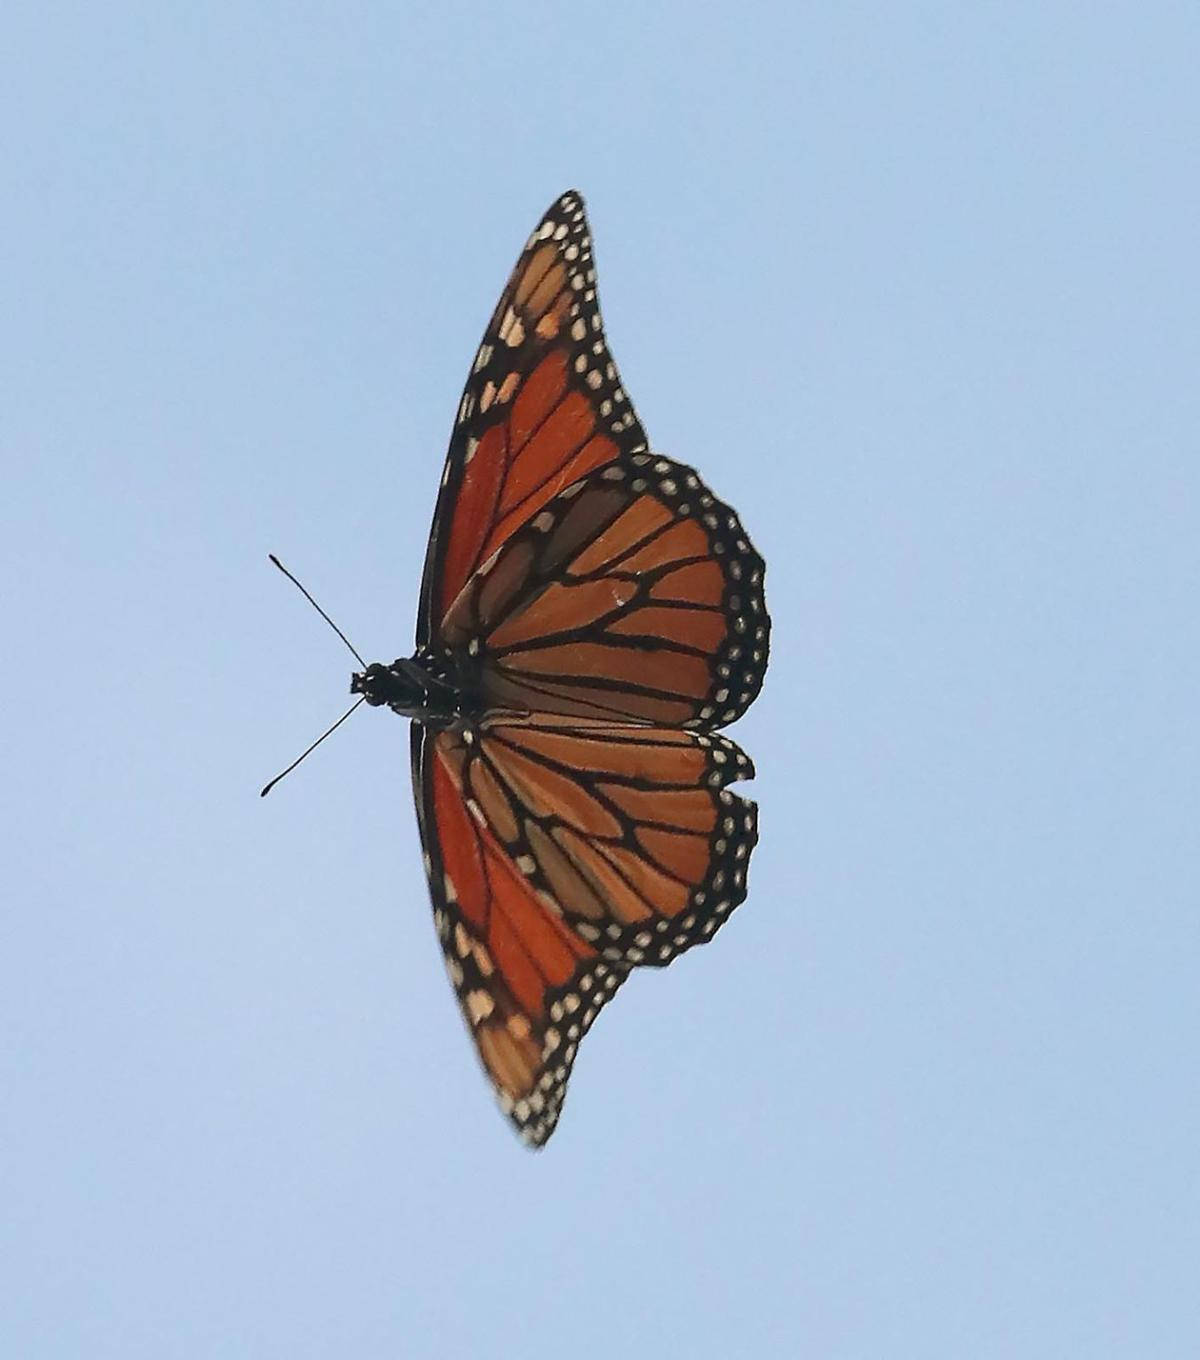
(915, 287)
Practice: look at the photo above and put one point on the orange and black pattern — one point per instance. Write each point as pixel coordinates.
(634, 595)
(549, 887)
(590, 615)
(542, 406)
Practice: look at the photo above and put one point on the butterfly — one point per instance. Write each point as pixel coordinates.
(590, 613)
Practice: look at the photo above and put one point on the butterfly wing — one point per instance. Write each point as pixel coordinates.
(528, 986)
(634, 595)
(612, 609)
(561, 853)
(542, 405)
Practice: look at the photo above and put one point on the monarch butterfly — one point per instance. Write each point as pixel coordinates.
(589, 614)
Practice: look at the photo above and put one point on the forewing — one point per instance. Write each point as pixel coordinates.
(634, 595)
(542, 406)
(529, 987)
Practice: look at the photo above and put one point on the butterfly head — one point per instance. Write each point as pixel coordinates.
(396, 685)
(409, 687)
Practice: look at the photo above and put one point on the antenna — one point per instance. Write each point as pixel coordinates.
(268, 787)
(327, 619)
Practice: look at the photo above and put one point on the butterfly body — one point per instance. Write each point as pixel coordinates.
(434, 690)
(590, 614)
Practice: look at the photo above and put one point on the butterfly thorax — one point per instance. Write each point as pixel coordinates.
(431, 688)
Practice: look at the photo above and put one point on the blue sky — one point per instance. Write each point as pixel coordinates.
(915, 287)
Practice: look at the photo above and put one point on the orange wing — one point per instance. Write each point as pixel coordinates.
(542, 406)
(600, 612)
(561, 853)
(632, 596)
